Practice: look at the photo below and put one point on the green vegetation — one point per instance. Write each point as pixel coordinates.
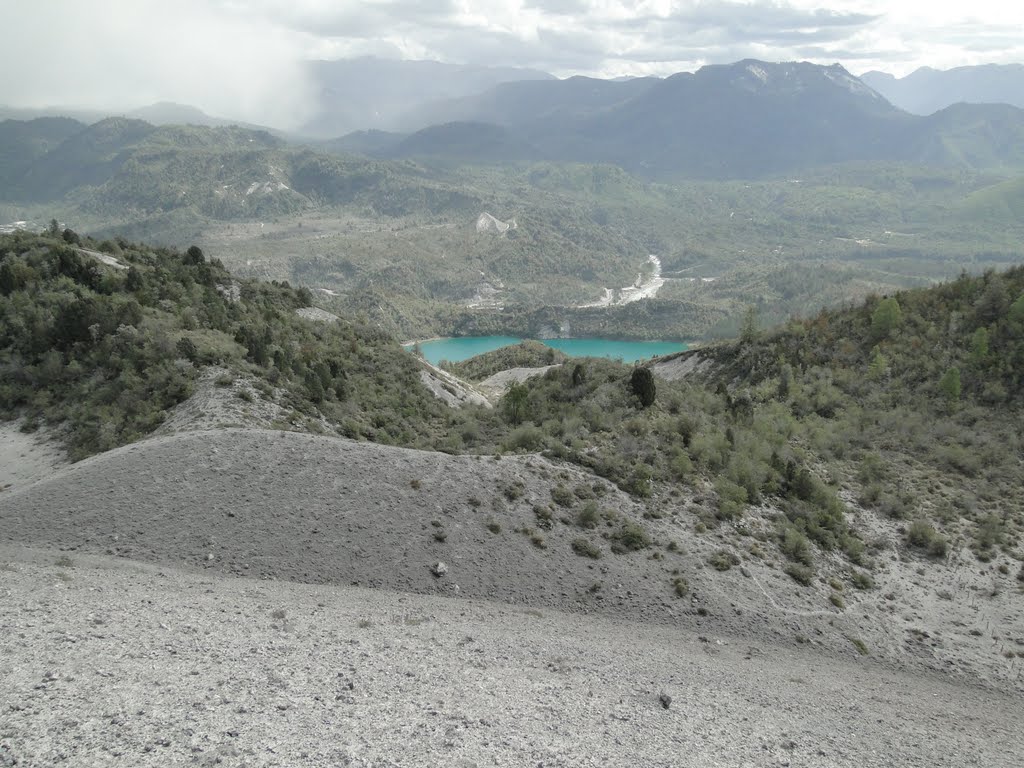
(105, 352)
(526, 354)
(910, 402)
(586, 548)
(795, 423)
(641, 383)
(723, 560)
(396, 245)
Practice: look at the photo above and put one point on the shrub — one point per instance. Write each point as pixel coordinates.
(681, 586)
(801, 574)
(796, 547)
(641, 384)
(723, 560)
(563, 496)
(589, 516)
(885, 319)
(837, 600)
(586, 548)
(583, 491)
(859, 644)
(922, 535)
(630, 537)
(513, 491)
(524, 438)
(862, 580)
(544, 517)
(732, 498)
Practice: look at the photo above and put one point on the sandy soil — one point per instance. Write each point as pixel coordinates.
(26, 458)
(494, 386)
(317, 315)
(680, 366)
(283, 505)
(249, 597)
(451, 389)
(110, 663)
(223, 399)
(105, 662)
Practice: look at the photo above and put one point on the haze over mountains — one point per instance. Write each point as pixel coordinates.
(373, 94)
(928, 90)
(745, 120)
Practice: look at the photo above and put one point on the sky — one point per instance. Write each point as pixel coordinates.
(243, 59)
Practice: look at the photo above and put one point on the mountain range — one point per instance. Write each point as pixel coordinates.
(744, 120)
(928, 90)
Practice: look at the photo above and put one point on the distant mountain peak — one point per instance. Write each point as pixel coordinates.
(927, 90)
(786, 77)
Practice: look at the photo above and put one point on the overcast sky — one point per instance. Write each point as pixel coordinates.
(243, 58)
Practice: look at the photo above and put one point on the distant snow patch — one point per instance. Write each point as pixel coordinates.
(841, 77)
(758, 72)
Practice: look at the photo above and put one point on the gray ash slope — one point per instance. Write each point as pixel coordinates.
(195, 644)
(319, 510)
(107, 662)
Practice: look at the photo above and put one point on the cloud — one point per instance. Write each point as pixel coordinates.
(120, 54)
(244, 58)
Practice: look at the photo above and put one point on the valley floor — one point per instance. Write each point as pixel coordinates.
(111, 662)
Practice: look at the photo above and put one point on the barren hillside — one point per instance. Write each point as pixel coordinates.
(109, 662)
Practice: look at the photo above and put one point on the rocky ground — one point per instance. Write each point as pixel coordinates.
(109, 662)
(205, 596)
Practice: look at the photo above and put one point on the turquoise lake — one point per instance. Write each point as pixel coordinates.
(456, 349)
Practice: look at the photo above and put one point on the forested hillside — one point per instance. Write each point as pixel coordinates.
(104, 350)
(907, 405)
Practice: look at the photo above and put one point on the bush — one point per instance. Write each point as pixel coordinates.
(732, 499)
(629, 538)
(589, 516)
(562, 496)
(862, 580)
(922, 535)
(586, 548)
(860, 645)
(513, 491)
(723, 560)
(544, 517)
(796, 547)
(801, 574)
(524, 438)
(641, 384)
